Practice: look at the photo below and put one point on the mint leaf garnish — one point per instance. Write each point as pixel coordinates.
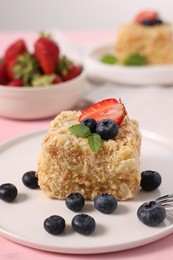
(80, 130)
(136, 60)
(109, 59)
(94, 141)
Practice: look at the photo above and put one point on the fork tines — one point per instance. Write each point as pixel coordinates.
(166, 200)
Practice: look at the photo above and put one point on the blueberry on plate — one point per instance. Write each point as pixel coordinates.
(105, 203)
(75, 201)
(8, 192)
(150, 180)
(54, 224)
(151, 213)
(90, 122)
(30, 180)
(83, 224)
(107, 129)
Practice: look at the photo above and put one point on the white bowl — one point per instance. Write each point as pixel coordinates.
(28, 103)
(130, 75)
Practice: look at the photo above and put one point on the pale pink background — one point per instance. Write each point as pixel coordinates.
(162, 249)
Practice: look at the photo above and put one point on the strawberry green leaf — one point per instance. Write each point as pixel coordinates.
(94, 141)
(42, 80)
(80, 130)
(64, 65)
(26, 67)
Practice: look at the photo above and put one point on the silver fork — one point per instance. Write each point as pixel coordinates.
(166, 200)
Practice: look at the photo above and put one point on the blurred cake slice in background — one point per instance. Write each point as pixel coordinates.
(147, 36)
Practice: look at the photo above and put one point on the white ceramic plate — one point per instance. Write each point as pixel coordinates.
(132, 75)
(22, 220)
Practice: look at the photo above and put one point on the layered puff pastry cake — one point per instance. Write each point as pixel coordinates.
(67, 163)
(148, 36)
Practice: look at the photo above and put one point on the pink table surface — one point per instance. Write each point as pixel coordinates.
(160, 249)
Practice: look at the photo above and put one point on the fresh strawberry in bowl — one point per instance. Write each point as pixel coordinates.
(46, 59)
(47, 53)
(4, 78)
(67, 69)
(14, 50)
(16, 83)
(34, 84)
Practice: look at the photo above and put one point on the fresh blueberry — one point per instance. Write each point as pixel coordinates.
(8, 192)
(107, 129)
(158, 21)
(30, 180)
(105, 203)
(90, 122)
(75, 201)
(150, 180)
(54, 224)
(151, 22)
(83, 224)
(151, 213)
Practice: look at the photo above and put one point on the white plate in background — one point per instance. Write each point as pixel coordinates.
(132, 75)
